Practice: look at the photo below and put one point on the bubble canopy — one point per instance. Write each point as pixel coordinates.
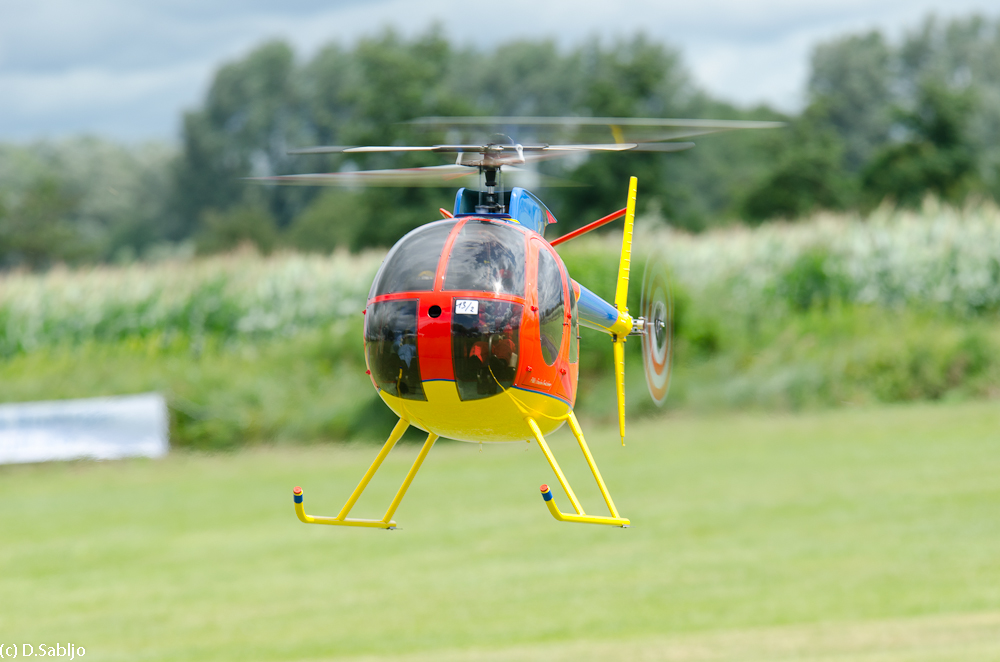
(471, 275)
(411, 264)
(486, 256)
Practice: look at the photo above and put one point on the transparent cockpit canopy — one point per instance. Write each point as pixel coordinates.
(487, 257)
(391, 348)
(574, 327)
(484, 346)
(551, 309)
(411, 264)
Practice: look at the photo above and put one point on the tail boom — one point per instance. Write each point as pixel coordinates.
(596, 313)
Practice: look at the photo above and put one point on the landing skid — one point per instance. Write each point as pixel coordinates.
(387, 522)
(580, 516)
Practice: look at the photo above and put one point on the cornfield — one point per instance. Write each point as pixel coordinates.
(940, 257)
(230, 296)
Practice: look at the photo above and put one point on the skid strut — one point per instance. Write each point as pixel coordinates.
(386, 522)
(580, 516)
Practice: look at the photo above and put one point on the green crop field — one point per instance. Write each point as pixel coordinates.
(900, 306)
(857, 534)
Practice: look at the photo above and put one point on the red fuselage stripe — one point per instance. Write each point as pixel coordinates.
(464, 294)
(445, 255)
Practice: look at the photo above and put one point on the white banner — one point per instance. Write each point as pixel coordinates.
(98, 428)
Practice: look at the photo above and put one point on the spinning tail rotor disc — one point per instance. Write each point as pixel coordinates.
(657, 341)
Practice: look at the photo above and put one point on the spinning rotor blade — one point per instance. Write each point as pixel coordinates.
(657, 310)
(563, 151)
(624, 129)
(719, 125)
(491, 155)
(447, 176)
(662, 147)
(473, 149)
(440, 149)
(611, 147)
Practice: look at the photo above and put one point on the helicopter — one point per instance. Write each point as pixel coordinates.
(471, 327)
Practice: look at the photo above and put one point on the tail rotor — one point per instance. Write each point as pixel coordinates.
(657, 339)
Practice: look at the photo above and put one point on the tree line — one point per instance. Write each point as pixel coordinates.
(884, 121)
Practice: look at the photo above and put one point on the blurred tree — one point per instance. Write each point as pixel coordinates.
(850, 92)
(39, 230)
(920, 117)
(964, 55)
(109, 201)
(365, 94)
(936, 156)
(631, 78)
(518, 78)
(120, 194)
(386, 80)
(251, 116)
(335, 218)
(808, 173)
(364, 98)
(247, 223)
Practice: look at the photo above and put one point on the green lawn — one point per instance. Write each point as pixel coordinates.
(869, 534)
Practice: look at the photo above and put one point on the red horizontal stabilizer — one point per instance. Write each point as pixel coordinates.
(587, 228)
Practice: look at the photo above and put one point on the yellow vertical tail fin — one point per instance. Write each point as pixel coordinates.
(619, 346)
(625, 264)
(621, 303)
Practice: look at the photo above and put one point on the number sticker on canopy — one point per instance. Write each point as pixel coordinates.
(466, 307)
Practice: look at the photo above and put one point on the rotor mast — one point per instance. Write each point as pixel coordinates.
(491, 205)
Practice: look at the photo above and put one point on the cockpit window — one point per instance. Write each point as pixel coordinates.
(574, 327)
(411, 264)
(391, 348)
(550, 305)
(488, 257)
(484, 346)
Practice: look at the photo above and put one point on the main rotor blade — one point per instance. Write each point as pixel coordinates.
(445, 175)
(623, 129)
(718, 125)
(465, 172)
(662, 147)
(431, 176)
(465, 149)
(599, 147)
(441, 149)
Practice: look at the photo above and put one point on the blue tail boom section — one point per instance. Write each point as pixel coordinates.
(595, 312)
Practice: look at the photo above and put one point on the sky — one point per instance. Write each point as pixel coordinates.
(127, 69)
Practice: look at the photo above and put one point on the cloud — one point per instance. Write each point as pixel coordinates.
(133, 106)
(128, 68)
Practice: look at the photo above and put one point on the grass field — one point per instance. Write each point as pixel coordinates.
(866, 534)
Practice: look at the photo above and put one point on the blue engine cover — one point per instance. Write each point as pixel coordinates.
(522, 205)
(529, 210)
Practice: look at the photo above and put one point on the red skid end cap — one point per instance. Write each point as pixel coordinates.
(545, 488)
(297, 491)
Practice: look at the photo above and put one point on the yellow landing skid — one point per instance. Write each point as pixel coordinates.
(582, 519)
(580, 516)
(386, 522)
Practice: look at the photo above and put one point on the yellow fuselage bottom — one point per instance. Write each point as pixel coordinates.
(497, 418)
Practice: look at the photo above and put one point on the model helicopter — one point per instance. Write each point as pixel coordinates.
(471, 325)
